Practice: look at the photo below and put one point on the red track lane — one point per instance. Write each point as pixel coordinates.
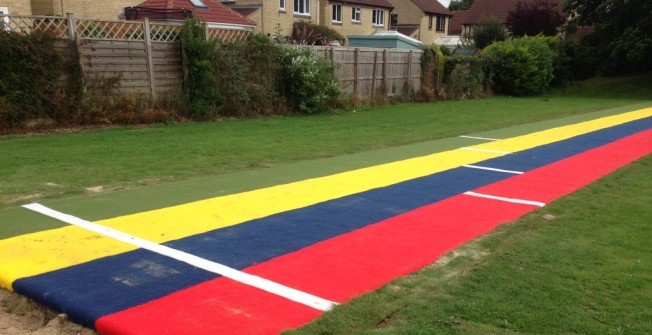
(341, 268)
(553, 181)
(220, 306)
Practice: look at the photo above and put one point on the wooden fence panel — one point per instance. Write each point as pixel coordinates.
(121, 63)
(140, 57)
(167, 65)
(365, 71)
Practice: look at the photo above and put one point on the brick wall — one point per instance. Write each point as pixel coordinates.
(83, 9)
(348, 26)
(429, 35)
(17, 7)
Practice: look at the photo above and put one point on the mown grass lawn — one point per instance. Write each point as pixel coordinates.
(58, 165)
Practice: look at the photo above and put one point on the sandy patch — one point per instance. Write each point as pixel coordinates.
(21, 316)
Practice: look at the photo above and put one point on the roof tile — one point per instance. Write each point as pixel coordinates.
(214, 12)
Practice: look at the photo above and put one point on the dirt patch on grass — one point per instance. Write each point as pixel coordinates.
(21, 316)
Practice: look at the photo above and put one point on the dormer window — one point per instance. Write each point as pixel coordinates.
(198, 4)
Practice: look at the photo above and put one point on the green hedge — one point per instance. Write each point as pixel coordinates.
(30, 69)
(522, 66)
(464, 77)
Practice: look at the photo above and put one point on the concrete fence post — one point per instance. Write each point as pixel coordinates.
(150, 63)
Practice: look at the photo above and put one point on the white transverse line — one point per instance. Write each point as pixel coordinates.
(487, 150)
(480, 138)
(244, 278)
(492, 169)
(513, 200)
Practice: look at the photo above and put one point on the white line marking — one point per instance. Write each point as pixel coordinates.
(487, 150)
(492, 169)
(513, 200)
(244, 278)
(480, 138)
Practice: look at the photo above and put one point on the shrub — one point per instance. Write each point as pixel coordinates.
(487, 32)
(464, 77)
(305, 32)
(432, 69)
(247, 76)
(519, 66)
(534, 18)
(29, 76)
(563, 52)
(200, 86)
(307, 81)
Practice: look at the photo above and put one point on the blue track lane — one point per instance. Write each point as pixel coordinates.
(108, 285)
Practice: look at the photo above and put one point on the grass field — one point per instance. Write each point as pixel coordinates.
(69, 163)
(579, 265)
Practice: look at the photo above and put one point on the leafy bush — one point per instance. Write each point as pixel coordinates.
(304, 32)
(534, 18)
(488, 31)
(521, 66)
(247, 76)
(200, 87)
(29, 76)
(584, 58)
(464, 77)
(562, 64)
(307, 81)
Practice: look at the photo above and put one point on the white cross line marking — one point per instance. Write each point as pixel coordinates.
(512, 200)
(239, 276)
(487, 150)
(480, 138)
(492, 169)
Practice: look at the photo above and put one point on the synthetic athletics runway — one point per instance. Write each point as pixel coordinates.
(258, 252)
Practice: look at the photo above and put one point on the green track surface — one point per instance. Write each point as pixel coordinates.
(17, 221)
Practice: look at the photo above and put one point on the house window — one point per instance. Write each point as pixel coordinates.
(281, 4)
(337, 13)
(302, 7)
(378, 17)
(430, 21)
(441, 22)
(355, 14)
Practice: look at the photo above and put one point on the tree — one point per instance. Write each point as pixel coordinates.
(488, 31)
(622, 39)
(536, 17)
(460, 5)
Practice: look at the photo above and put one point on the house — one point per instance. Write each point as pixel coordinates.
(277, 17)
(89, 9)
(357, 17)
(455, 25)
(213, 12)
(424, 20)
(15, 7)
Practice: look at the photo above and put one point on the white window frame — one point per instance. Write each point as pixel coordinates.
(281, 5)
(378, 17)
(306, 7)
(337, 13)
(356, 14)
